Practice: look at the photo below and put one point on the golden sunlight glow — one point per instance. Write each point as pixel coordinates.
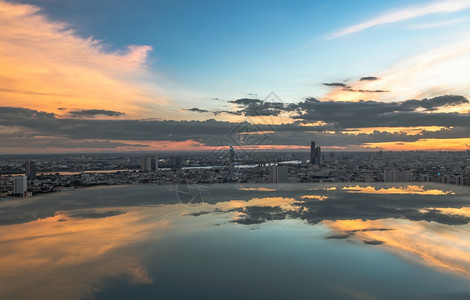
(333, 188)
(259, 189)
(318, 123)
(424, 145)
(283, 203)
(407, 130)
(410, 190)
(315, 197)
(464, 211)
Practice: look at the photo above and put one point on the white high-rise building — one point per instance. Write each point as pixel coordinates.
(21, 185)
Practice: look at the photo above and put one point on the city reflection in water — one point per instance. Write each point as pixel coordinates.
(68, 247)
(442, 241)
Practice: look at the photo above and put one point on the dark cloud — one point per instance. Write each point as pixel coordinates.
(335, 84)
(369, 78)
(198, 110)
(338, 236)
(436, 102)
(197, 214)
(344, 114)
(61, 142)
(95, 112)
(336, 121)
(246, 101)
(92, 214)
(373, 242)
(7, 112)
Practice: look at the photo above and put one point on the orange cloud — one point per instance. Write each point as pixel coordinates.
(284, 203)
(428, 243)
(424, 145)
(34, 255)
(404, 190)
(407, 130)
(46, 65)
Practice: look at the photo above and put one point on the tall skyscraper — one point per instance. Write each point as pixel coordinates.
(312, 152)
(315, 154)
(30, 170)
(21, 185)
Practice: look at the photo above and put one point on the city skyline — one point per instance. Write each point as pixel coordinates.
(184, 76)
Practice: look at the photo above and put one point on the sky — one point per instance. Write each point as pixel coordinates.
(121, 75)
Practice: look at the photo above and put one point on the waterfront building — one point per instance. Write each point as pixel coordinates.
(21, 186)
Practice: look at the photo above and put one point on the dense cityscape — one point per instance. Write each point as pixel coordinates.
(24, 176)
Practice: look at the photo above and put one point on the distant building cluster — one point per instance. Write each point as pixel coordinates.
(22, 177)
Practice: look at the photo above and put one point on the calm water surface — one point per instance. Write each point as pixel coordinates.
(297, 241)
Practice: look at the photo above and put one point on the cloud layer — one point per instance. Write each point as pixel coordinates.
(331, 123)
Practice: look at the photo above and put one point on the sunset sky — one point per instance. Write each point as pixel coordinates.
(121, 75)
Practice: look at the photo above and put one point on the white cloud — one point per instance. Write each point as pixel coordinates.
(438, 24)
(407, 13)
(440, 71)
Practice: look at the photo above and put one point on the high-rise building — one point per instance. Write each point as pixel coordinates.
(21, 186)
(278, 174)
(232, 156)
(176, 162)
(460, 180)
(30, 170)
(398, 175)
(315, 154)
(146, 165)
(446, 179)
(155, 163)
(312, 152)
(149, 164)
